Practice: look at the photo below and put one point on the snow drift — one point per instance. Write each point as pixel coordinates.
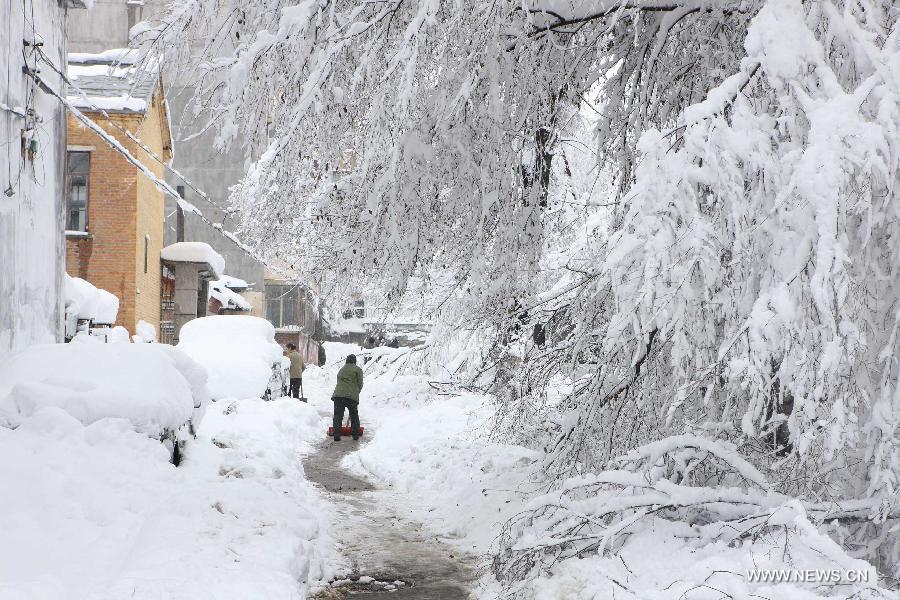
(154, 387)
(237, 351)
(96, 511)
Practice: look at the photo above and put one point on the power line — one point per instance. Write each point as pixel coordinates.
(163, 186)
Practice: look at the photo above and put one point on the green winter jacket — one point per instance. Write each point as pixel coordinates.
(349, 382)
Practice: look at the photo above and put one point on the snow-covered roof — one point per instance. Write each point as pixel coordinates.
(234, 283)
(114, 80)
(194, 252)
(228, 298)
(121, 56)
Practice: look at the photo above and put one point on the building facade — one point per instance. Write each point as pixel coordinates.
(115, 214)
(296, 313)
(206, 167)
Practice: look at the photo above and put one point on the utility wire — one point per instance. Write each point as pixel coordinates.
(116, 145)
(130, 135)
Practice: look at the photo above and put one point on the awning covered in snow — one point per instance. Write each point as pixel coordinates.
(194, 252)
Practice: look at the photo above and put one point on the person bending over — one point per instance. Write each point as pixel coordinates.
(346, 395)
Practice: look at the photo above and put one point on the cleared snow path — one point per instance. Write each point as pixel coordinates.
(381, 546)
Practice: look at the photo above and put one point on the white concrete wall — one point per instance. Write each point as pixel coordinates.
(103, 27)
(32, 246)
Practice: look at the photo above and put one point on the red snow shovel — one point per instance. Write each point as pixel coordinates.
(346, 429)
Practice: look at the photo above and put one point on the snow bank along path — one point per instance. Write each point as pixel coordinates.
(386, 547)
(96, 511)
(444, 480)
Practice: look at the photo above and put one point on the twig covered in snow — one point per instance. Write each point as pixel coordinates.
(741, 284)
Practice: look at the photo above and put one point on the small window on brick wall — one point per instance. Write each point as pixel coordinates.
(78, 167)
(146, 252)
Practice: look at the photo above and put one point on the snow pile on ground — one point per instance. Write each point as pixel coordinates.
(431, 449)
(237, 351)
(96, 512)
(146, 333)
(670, 561)
(194, 252)
(155, 387)
(429, 444)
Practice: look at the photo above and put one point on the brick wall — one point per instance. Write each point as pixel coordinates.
(123, 208)
(106, 256)
(307, 347)
(150, 218)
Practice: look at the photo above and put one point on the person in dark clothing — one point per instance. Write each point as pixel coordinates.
(346, 396)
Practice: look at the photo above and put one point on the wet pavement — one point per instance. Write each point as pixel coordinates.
(390, 556)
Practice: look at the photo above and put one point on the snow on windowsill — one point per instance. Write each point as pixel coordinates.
(71, 233)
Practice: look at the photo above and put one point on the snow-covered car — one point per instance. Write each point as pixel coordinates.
(160, 391)
(239, 353)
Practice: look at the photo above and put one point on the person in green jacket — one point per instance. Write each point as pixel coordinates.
(346, 395)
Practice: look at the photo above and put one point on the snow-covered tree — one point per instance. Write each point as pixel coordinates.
(744, 288)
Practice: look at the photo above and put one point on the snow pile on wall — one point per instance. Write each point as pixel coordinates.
(116, 80)
(97, 511)
(227, 297)
(237, 351)
(107, 307)
(85, 301)
(112, 335)
(194, 252)
(81, 297)
(155, 387)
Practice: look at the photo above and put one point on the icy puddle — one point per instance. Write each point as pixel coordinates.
(389, 556)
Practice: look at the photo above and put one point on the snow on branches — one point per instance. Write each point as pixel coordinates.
(743, 287)
(599, 514)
